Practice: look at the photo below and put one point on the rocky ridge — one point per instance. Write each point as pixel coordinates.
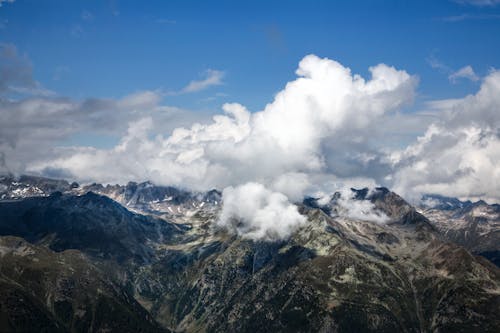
(337, 273)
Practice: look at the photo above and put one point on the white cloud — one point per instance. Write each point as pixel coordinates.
(325, 127)
(363, 210)
(465, 72)
(31, 127)
(323, 104)
(140, 100)
(282, 145)
(212, 78)
(252, 211)
(435, 63)
(292, 184)
(345, 202)
(459, 155)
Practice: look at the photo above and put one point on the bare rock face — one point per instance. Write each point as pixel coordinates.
(31, 186)
(475, 226)
(78, 261)
(46, 291)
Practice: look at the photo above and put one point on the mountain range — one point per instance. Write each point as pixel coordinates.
(147, 258)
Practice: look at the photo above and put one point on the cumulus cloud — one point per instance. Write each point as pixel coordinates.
(465, 72)
(212, 78)
(253, 211)
(326, 127)
(459, 155)
(284, 146)
(324, 103)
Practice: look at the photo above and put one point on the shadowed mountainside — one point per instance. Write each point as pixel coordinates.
(74, 258)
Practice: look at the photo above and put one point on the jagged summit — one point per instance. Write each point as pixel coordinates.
(363, 261)
(474, 225)
(443, 203)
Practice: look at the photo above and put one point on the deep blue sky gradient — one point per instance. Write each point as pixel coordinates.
(128, 46)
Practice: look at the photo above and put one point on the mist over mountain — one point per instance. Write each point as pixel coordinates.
(254, 222)
(249, 166)
(170, 260)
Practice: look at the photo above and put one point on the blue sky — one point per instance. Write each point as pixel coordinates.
(113, 48)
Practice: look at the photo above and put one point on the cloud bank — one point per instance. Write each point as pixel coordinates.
(327, 126)
(459, 155)
(324, 103)
(282, 146)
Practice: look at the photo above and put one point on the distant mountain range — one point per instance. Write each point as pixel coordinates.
(147, 258)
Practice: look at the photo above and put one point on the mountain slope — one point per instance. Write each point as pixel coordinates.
(476, 226)
(94, 224)
(338, 273)
(335, 274)
(45, 291)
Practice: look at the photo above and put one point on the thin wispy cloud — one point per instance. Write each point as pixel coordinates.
(87, 15)
(435, 63)
(478, 3)
(76, 30)
(475, 17)
(60, 72)
(166, 21)
(465, 72)
(211, 78)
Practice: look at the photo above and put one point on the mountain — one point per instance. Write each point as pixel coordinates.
(91, 223)
(474, 225)
(46, 291)
(31, 186)
(159, 200)
(154, 254)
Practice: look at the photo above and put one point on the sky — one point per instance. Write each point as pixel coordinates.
(112, 48)
(276, 98)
